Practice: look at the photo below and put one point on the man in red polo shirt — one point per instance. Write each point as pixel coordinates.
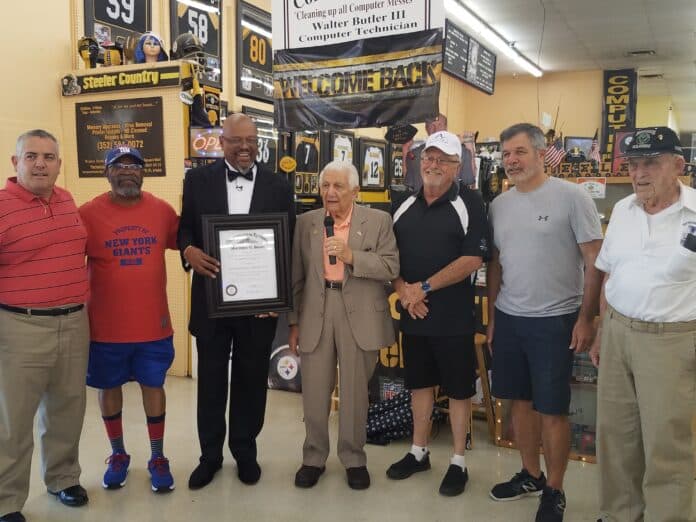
(128, 232)
(44, 331)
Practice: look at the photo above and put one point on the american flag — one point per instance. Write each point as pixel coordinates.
(594, 149)
(554, 154)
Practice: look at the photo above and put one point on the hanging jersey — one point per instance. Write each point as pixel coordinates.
(307, 154)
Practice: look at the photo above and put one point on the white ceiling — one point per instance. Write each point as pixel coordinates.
(597, 34)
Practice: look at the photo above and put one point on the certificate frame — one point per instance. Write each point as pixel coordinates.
(213, 225)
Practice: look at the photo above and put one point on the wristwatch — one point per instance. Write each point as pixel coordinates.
(425, 286)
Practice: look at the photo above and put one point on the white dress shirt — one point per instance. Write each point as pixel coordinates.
(652, 276)
(239, 191)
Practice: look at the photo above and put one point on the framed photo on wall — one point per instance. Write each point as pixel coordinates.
(584, 145)
(267, 137)
(373, 164)
(107, 20)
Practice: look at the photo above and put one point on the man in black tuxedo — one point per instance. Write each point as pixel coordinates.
(237, 185)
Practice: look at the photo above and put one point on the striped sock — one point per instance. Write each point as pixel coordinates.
(114, 430)
(155, 428)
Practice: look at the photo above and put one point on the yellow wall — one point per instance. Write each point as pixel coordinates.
(577, 96)
(653, 110)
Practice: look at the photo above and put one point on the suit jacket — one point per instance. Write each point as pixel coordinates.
(375, 260)
(205, 192)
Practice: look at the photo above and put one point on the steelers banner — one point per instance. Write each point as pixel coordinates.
(618, 108)
(369, 83)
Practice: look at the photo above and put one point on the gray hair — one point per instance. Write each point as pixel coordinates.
(35, 133)
(534, 133)
(342, 166)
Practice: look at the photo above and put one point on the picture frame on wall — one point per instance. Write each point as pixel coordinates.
(254, 53)
(307, 154)
(373, 165)
(205, 21)
(267, 137)
(342, 146)
(395, 153)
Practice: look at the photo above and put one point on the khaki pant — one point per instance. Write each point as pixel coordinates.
(43, 362)
(318, 369)
(646, 400)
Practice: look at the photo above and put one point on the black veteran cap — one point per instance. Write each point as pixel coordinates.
(652, 141)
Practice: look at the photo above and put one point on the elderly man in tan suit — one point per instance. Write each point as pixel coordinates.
(342, 256)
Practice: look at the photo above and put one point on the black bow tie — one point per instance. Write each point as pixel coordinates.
(232, 175)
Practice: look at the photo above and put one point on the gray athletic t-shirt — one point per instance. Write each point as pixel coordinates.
(537, 234)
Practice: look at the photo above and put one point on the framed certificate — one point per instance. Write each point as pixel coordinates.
(373, 163)
(254, 255)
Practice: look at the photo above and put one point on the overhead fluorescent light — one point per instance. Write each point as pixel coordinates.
(200, 6)
(485, 31)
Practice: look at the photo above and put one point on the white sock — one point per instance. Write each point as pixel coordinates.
(419, 452)
(458, 460)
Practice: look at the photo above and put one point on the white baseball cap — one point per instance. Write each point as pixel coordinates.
(446, 142)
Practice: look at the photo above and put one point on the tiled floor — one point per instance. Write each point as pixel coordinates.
(275, 498)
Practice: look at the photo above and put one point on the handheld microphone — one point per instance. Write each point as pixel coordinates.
(328, 225)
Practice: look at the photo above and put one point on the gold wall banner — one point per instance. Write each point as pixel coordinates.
(104, 125)
(108, 79)
(368, 83)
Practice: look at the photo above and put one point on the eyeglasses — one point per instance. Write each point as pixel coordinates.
(438, 161)
(249, 140)
(126, 166)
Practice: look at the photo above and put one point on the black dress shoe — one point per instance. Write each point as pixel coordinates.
(15, 516)
(248, 471)
(308, 476)
(358, 478)
(74, 496)
(203, 474)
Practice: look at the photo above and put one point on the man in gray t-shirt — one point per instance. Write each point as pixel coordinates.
(543, 293)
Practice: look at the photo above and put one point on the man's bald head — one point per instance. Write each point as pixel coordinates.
(239, 141)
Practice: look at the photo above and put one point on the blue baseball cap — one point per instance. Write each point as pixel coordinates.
(117, 153)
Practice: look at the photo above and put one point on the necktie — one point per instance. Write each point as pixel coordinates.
(232, 175)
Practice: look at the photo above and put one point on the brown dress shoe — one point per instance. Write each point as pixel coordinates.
(358, 478)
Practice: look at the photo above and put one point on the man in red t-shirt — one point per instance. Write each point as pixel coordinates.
(128, 231)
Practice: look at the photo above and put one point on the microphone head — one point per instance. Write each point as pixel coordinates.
(328, 221)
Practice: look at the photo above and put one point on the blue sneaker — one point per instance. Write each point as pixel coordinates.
(160, 476)
(116, 471)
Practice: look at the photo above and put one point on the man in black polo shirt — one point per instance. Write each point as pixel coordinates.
(441, 232)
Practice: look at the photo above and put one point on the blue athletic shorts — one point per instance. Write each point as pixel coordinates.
(113, 364)
(532, 362)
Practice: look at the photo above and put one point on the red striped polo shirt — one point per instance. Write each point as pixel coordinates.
(42, 249)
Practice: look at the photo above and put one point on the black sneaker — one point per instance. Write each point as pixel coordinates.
(551, 506)
(521, 485)
(408, 466)
(454, 482)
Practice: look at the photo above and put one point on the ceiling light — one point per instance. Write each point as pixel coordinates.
(642, 52)
(489, 34)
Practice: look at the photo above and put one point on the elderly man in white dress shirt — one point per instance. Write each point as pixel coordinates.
(647, 352)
